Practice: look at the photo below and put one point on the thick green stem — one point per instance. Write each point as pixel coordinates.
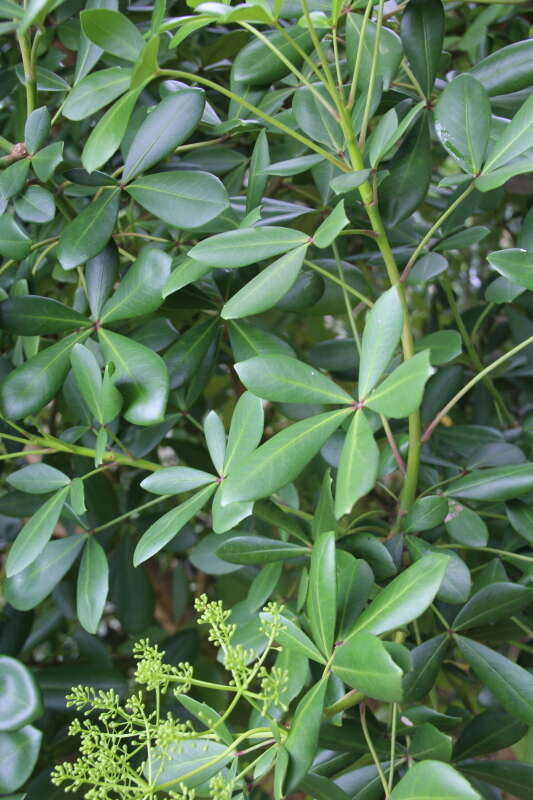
(29, 73)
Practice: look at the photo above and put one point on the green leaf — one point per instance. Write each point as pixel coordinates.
(215, 437)
(184, 199)
(390, 50)
(14, 241)
(427, 659)
(32, 385)
(206, 715)
(426, 513)
(328, 231)
(511, 685)
(19, 751)
(465, 526)
(46, 160)
(346, 182)
(315, 120)
(140, 376)
(322, 592)
(488, 732)
(77, 496)
(520, 516)
(113, 32)
(247, 246)
(161, 532)
(38, 478)
(515, 139)
(169, 124)
(494, 484)
(291, 637)
(267, 288)
(88, 233)
(287, 380)
(324, 516)
(407, 184)
(20, 699)
(363, 663)
(203, 757)
(35, 11)
(36, 129)
(507, 69)
(381, 335)
(427, 267)
(354, 582)
(140, 291)
(405, 598)
(36, 205)
(462, 122)
(358, 465)
(175, 480)
(429, 742)
(515, 777)
(492, 603)
(433, 779)
(514, 264)
(88, 378)
(277, 462)
(246, 429)
(185, 357)
(28, 588)
(33, 316)
(257, 65)
(422, 32)
(96, 91)
(443, 346)
(302, 740)
(186, 271)
(293, 166)
(35, 533)
(401, 392)
(106, 136)
(92, 586)
(259, 550)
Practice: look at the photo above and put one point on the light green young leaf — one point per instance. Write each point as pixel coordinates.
(302, 740)
(462, 122)
(247, 246)
(514, 264)
(433, 779)
(246, 429)
(515, 139)
(382, 331)
(35, 534)
(401, 392)
(215, 437)
(92, 586)
(38, 478)
(328, 231)
(140, 291)
(322, 592)
(175, 480)
(363, 663)
(358, 466)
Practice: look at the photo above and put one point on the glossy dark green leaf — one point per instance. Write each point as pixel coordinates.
(161, 532)
(184, 199)
(507, 69)
(185, 357)
(358, 464)
(92, 585)
(426, 513)
(287, 380)
(433, 779)
(488, 732)
(363, 663)
(390, 50)
(511, 684)
(370, 548)
(36, 205)
(430, 743)
(202, 757)
(38, 478)
(113, 32)
(87, 234)
(267, 288)
(354, 582)
(108, 133)
(303, 737)
(443, 346)
(96, 91)
(514, 777)
(256, 64)
(169, 124)
(14, 241)
(492, 603)
(19, 751)
(520, 516)
(427, 267)
(36, 129)
(401, 392)
(140, 376)
(405, 598)
(174, 480)
(20, 699)
(89, 379)
(494, 483)
(462, 121)
(215, 439)
(33, 316)
(28, 588)
(514, 141)
(291, 637)
(404, 189)
(322, 592)
(422, 32)
(465, 526)
(247, 245)
(514, 264)
(381, 336)
(35, 533)
(259, 550)
(140, 291)
(245, 431)
(427, 659)
(32, 385)
(277, 462)
(45, 161)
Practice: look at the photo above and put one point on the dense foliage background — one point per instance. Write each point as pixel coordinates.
(266, 349)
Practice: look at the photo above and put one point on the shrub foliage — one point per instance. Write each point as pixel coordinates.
(266, 345)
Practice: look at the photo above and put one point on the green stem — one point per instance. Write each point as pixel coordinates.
(345, 286)
(5, 144)
(359, 55)
(503, 553)
(352, 698)
(370, 744)
(29, 76)
(372, 79)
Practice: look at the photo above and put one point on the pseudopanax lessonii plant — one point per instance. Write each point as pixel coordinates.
(266, 347)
